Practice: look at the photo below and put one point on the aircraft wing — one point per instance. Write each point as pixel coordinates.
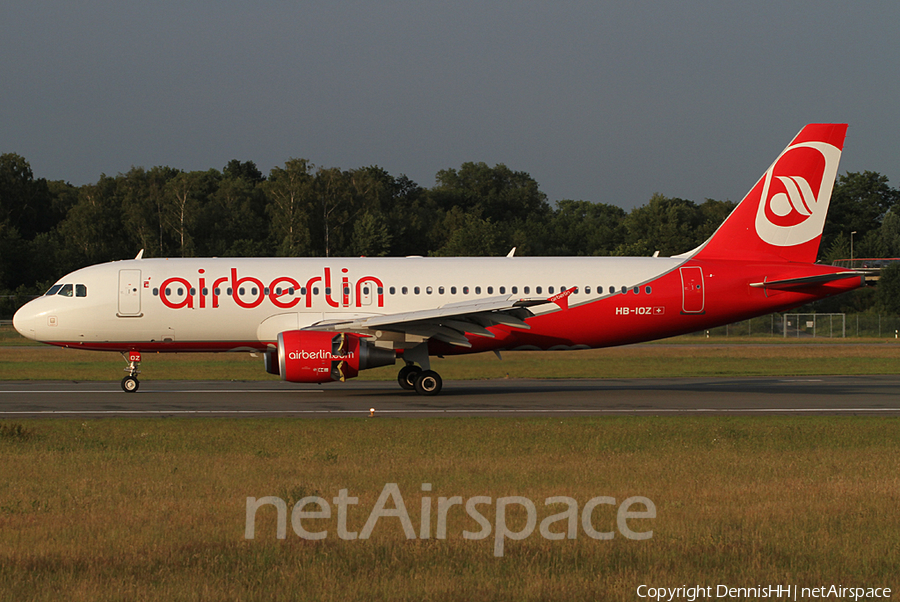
(449, 323)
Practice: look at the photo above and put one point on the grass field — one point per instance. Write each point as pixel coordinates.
(156, 509)
(122, 509)
(634, 361)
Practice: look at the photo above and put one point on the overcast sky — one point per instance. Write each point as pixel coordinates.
(599, 101)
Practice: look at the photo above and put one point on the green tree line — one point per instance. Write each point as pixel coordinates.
(49, 228)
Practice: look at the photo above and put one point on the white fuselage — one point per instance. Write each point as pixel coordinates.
(238, 303)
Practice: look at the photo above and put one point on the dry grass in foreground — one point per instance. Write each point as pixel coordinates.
(633, 361)
(155, 509)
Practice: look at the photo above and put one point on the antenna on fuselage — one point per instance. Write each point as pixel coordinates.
(140, 254)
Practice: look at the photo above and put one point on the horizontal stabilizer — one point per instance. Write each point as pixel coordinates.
(805, 281)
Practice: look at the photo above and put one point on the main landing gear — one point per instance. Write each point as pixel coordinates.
(424, 382)
(131, 383)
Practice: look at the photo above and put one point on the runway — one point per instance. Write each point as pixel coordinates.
(842, 395)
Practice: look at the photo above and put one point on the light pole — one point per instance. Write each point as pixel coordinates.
(851, 249)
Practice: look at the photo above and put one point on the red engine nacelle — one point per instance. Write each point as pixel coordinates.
(310, 356)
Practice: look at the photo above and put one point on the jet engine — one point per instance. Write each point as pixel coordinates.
(310, 356)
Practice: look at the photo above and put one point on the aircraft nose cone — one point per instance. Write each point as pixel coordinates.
(24, 321)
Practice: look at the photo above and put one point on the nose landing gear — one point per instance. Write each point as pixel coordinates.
(131, 383)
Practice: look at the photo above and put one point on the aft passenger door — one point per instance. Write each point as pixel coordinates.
(129, 293)
(693, 297)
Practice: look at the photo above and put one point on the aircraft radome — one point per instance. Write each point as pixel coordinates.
(320, 320)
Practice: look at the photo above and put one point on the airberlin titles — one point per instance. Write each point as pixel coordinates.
(283, 292)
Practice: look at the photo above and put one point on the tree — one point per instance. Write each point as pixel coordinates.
(289, 192)
(143, 197)
(583, 228)
(92, 231)
(497, 193)
(408, 212)
(334, 206)
(234, 221)
(24, 201)
(246, 171)
(505, 198)
(468, 236)
(667, 225)
(371, 236)
(887, 293)
(859, 201)
(186, 195)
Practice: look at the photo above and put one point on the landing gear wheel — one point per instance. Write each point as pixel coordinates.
(407, 377)
(130, 384)
(428, 382)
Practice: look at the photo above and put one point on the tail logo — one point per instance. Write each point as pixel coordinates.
(795, 194)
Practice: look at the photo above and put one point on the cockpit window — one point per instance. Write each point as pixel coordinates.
(66, 290)
(80, 290)
(53, 289)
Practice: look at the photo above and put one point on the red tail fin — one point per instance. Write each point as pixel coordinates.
(782, 217)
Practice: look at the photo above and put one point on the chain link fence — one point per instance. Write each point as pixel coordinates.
(804, 325)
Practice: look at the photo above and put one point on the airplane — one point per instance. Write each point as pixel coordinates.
(319, 320)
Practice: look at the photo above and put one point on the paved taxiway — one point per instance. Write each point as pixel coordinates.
(847, 395)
